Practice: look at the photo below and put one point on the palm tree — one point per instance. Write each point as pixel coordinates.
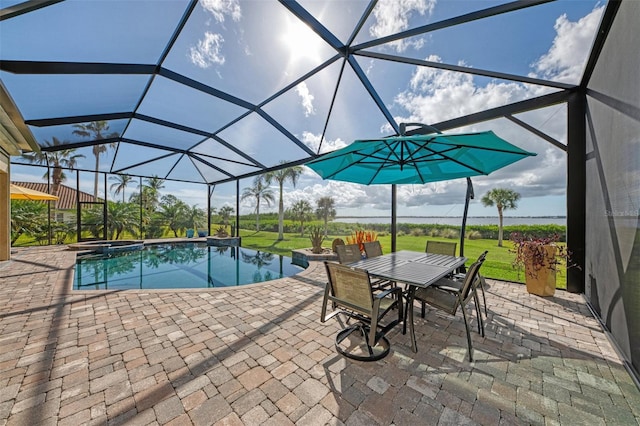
(57, 159)
(301, 211)
(260, 191)
(503, 199)
(121, 217)
(96, 130)
(326, 211)
(174, 213)
(151, 191)
(27, 217)
(120, 183)
(195, 217)
(281, 176)
(225, 213)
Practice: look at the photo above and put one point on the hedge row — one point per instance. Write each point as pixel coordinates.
(448, 231)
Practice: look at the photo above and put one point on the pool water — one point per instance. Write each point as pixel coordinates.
(180, 265)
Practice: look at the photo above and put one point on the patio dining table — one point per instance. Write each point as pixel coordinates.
(415, 269)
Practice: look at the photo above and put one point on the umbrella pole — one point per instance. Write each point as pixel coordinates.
(468, 197)
(393, 218)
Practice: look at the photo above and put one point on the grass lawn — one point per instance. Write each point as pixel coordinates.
(498, 264)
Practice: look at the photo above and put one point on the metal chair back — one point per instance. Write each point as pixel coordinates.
(348, 253)
(441, 247)
(350, 287)
(373, 249)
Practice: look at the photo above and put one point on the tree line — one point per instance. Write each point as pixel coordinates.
(301, 211)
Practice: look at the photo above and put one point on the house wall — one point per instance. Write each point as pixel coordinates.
(612, 267)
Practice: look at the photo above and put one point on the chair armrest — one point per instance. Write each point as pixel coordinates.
(448, 285)
(387, 292)
(448, 288)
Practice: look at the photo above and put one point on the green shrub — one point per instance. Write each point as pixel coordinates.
(450, 233)
(491, 231)
(473, 235)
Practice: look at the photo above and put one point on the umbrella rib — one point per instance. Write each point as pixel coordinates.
(383, 161)
(447, 157)
(340, 170)
(509, 151)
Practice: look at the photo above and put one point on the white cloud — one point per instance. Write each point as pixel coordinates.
(307, 99)
(435, 95)
(313, 141)
(566, 58)
(221, 8)
(208, 51)
(392, 16)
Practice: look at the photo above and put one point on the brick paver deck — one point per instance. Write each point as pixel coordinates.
(259, 355)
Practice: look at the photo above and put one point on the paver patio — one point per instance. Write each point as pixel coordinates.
(259, 355)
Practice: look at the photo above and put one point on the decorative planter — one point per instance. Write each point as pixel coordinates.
(302, 257)
(189, 233)
(541, 280)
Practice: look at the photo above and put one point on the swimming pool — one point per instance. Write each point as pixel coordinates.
(179, 265)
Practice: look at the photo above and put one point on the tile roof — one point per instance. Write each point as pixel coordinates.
(67, 194)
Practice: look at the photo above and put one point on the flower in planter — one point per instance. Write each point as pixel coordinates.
(540, 257)
(538, 253)
(360, 237)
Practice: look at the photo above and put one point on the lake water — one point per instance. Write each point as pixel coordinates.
(456, 221)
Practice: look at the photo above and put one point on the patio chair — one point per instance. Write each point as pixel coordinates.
(447, 296)
(438, 247)
(349, 290)
(480, 283)
(441, 247)
(374, 249)
(348, 253)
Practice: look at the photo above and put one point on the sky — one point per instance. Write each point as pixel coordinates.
(550, 42)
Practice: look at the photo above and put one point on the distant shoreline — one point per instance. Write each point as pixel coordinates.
(453, 217)
(456, 220)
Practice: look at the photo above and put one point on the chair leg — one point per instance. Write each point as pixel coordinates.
(466, 326)
(484, 299)
(476, 302)
(323, 313)
(406, 312)
(367, 341)
(400, 307)
(422, 313)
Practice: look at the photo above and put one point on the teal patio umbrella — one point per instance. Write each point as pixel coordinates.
(419, 159)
